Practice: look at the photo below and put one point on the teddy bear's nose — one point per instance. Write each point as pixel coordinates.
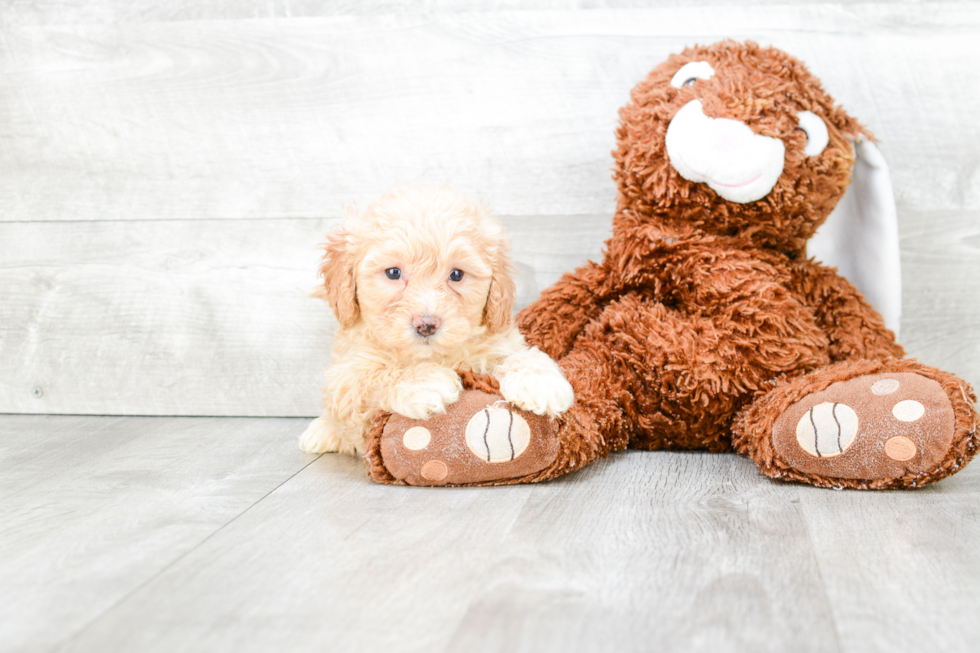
(425, 325)
(729, 135)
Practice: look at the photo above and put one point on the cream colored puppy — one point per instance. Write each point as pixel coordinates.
(421, 285)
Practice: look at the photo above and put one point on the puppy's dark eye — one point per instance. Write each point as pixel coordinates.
(690, 81)
(456, 275)
(393, 273)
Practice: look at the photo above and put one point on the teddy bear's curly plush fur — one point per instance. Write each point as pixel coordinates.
(706, 327)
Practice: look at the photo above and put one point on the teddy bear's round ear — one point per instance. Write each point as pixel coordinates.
(860, 238)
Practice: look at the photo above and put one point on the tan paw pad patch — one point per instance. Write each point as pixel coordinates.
(900, 448)
(827, 429)
(416, 438)
(497, 435)
(885, 386)
(878, 426)
(908, 410)
(434, 470)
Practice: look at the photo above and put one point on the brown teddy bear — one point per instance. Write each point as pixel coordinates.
(705, 326)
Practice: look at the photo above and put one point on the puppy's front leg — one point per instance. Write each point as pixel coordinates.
(421, 391)
(532, 381)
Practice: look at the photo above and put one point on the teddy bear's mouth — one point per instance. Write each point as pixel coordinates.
(714, 182)
(744, 183)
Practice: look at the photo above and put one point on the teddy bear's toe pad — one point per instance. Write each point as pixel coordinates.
(480, 439)
(877, 426)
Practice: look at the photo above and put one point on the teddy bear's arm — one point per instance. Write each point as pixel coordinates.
(554, 320)
(748, 298)
(856, 331)
(709, 279)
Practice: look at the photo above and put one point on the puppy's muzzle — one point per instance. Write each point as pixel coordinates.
(425, 325)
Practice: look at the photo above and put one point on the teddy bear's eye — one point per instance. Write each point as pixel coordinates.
(690, 73)
(816, 132)
(393, 273)
(456, 275)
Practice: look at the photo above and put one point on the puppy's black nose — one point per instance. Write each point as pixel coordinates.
(425, 325)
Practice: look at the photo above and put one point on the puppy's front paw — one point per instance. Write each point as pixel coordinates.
(532, 381)
(321, 437)
(540, 393)
(421, 398)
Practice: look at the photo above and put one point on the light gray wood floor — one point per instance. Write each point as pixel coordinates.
(218, 534)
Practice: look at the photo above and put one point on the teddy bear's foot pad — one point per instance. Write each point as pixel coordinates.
(876, 426)
(481, 439)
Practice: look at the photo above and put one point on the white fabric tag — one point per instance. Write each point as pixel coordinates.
(860, 238)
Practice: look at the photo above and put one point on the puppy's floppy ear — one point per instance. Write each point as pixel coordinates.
(497, 314)
(337, 270)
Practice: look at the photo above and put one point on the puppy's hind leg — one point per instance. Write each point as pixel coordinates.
(323, 436)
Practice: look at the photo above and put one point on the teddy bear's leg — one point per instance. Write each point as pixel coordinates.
(480, 440)
(866, 424)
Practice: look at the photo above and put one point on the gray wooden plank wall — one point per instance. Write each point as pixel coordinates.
(166, 170)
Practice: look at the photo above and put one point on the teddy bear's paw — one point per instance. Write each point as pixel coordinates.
(481, 439)
(874, 427)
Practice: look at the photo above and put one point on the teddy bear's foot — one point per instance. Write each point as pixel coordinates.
(874, 427)
(894, 426)
(481, 439)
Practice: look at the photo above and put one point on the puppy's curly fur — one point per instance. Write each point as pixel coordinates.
(421, 285)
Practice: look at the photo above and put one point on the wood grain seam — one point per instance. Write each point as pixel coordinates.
(125, 597)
